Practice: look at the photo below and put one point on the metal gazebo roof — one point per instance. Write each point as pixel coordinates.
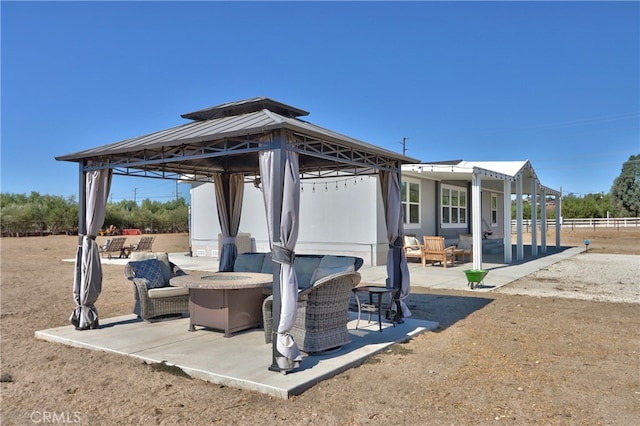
(227, 138)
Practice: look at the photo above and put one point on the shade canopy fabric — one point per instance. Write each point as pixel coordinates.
(283, 179)
(87, 283)
(229, 192)
(397, 268)
(251, 139)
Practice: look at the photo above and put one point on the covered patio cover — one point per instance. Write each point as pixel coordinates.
(259, 140)
(506, 177)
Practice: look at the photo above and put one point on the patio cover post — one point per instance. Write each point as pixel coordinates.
(476, 215)
(558, 218)
(507, 222)
(519, 246)
(534, 218)
(543, 220)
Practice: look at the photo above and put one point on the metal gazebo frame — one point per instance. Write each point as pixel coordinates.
(227, 139)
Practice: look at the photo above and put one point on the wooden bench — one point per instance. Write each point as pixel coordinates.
(435, 251)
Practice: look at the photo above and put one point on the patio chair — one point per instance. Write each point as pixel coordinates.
(435, 251)
(464, 248)
(115, 245)
(145, 244)
(323, 313)
(413, 249)
(154, 297)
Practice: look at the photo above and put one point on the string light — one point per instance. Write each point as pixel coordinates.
(337, 183)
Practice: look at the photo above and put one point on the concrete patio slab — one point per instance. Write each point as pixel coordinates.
(240, 361)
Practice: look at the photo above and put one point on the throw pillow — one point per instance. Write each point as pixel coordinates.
(411, 241)
(149, 269)
(464, 243)
(165, 264)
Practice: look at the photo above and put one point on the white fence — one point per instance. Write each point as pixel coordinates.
(595, 223)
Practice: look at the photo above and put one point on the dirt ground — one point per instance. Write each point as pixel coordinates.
(496, 358)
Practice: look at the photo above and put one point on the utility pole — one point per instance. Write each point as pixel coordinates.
(135, 193)
(404, 146)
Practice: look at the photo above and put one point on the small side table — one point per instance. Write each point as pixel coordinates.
(371, 306)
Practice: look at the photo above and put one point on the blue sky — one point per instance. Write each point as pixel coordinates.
(556, 83)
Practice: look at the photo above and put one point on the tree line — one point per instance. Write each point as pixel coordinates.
(51, 214)
(622, 201)
(37, 214)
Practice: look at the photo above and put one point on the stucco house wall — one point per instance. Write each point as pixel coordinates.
(337, 216)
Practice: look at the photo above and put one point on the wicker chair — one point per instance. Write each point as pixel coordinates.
(161, 301)
(323, 313)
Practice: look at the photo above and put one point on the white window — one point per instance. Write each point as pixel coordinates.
(410, 199)
(454, 206)
(494, 209)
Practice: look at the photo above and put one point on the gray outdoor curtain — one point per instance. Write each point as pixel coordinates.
(283, 251)
(397, 268)
(229, 193)
(87, 283)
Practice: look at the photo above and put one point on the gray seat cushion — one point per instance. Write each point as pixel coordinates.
(249, 262)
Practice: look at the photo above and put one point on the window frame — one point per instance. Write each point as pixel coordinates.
(494, 211)
(454, 207)
(405, 185)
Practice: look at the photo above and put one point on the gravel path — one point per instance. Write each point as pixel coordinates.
(588, 276)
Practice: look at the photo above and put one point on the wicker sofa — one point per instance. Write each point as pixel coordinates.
(323, 313)
(154, 297)
(309, 267)
(312, 272)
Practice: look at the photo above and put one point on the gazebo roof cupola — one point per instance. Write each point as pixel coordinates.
(246, 106)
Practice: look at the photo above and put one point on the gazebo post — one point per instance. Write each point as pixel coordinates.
(82, 217)
(276, 205)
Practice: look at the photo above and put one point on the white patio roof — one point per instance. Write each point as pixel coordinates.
(493, 173)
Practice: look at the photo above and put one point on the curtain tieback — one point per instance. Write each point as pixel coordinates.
(396, 243)
(282, 255)
(228, 240)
